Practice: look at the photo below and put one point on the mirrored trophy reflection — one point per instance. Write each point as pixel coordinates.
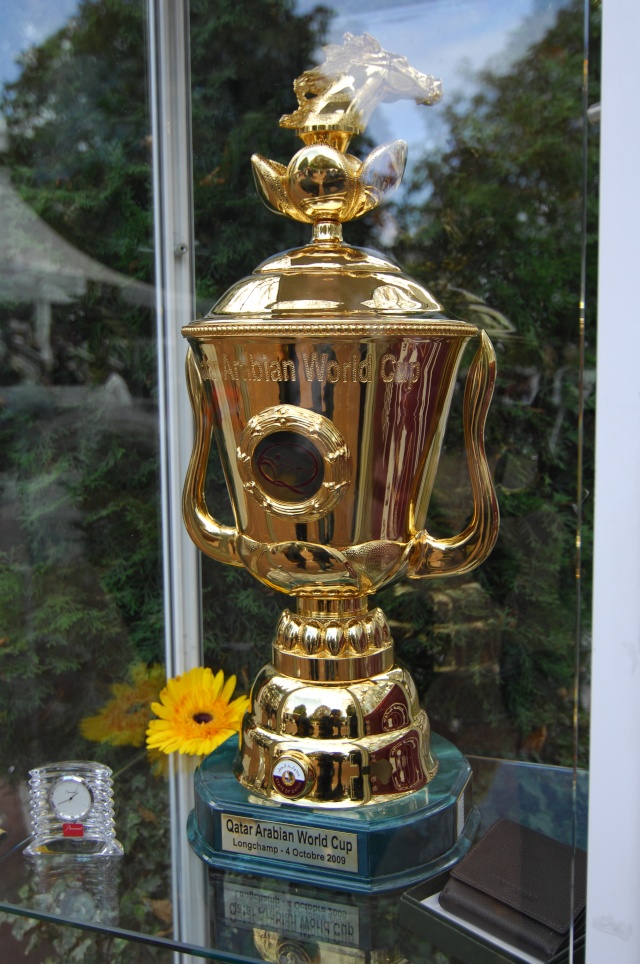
(326, 379)
(300, 924)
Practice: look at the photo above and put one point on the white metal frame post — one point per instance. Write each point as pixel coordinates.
(175, 305)
(613, 902)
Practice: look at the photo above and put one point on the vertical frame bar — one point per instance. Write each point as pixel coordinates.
(170, 94)
(613, 932)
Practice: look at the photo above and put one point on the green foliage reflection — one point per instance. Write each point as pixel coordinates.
(492, 223)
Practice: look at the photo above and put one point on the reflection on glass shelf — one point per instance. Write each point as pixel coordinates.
(275, 921)
(258, 918)
(539, 797)
(76, 888)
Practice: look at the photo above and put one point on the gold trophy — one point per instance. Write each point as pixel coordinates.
(326, 378)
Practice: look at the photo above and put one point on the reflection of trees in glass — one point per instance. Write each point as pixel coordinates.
(497, 212)
(80, 586)
(78, 153)
(244, 59)
(78, 128)
(78, 462)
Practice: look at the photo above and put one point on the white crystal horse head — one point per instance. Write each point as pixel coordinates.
(342, 93)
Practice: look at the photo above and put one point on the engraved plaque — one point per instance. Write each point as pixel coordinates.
(330, 849)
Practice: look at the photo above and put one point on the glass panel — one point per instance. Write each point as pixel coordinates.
(81, 606)
(490, 219)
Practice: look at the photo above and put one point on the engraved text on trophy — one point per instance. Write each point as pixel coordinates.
(316, 366)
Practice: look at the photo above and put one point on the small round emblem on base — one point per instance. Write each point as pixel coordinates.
(292, 777)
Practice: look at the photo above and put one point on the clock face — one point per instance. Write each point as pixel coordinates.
(70, 798)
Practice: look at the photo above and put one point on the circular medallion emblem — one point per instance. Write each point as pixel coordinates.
(293, 462)
(291, 952)
(288, 466)
(290, 777)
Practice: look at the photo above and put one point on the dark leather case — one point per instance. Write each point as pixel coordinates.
(515, 884)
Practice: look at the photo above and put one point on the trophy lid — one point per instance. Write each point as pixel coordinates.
(325, 280)
(328, 282)
(327, 285)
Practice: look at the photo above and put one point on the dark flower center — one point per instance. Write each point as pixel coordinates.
(202, 717)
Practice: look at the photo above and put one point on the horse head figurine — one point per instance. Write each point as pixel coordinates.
(342, 93)
(323, 185)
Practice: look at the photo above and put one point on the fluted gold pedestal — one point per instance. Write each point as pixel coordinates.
(334, 722)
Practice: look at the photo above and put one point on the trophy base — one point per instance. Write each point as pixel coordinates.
(368, 849)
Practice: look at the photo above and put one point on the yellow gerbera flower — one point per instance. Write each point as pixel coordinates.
(123, 720)
(195, 713)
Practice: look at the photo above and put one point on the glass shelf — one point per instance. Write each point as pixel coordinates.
(248, 915)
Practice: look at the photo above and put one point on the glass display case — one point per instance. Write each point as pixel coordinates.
(129, 209)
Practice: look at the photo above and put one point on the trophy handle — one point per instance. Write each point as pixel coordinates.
(440, 557)
(214, 539)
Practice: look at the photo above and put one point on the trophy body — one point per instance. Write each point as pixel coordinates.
(326, 379)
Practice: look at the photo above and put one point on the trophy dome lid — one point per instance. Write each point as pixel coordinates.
(328, 286)
(329, 282)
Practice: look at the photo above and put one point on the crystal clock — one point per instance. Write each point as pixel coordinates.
(71, 806)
